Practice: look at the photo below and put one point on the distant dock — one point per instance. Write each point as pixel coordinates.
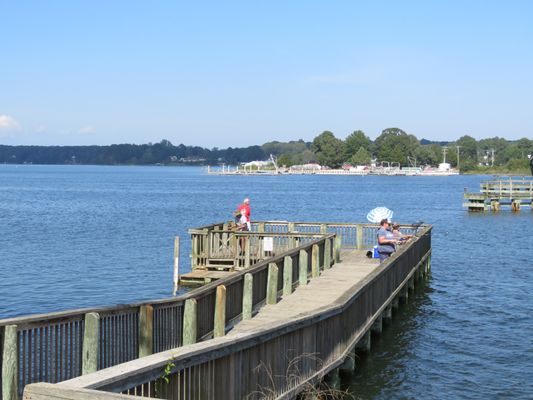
(512, 192)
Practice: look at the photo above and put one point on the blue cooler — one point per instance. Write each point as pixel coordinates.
(375, 253)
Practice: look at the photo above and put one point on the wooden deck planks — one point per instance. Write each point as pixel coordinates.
(354, 267)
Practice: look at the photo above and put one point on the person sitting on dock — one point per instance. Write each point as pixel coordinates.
(386, 241)
(397, 234)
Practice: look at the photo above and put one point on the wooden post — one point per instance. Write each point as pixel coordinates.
(315, 261)
(387, 314)
(194, 251)
(10, 364)
(261, 227)
(225, 228)
(348, 366)
(220, 312)
(395, 303)
(338, 245)
(327, 254)
(287, 275)
(247, 296)
(303, 262)
(91, 343)
(515, 205)
(364, 344)
(189, 322)
(272, 284)
(247, 252)
(146, 330)
(359, 236)
(323, 229)
(290, 227)
(377, 326)
(411, 283)
(404, 293)
(175, 278)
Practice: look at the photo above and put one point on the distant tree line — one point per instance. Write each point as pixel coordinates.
(163, 152)
(393, 145)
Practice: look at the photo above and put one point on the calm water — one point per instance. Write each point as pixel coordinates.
(77, 236)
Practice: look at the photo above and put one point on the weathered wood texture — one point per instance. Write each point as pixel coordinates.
(304, 336)
(47, 391)
(50, 345)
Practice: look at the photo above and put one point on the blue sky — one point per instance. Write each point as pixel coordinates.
(241, 73)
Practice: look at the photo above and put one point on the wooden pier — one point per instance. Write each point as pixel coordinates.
(218, 249)
(276, 327)
(512, 192)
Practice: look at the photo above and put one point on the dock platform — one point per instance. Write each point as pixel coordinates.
(512, 192)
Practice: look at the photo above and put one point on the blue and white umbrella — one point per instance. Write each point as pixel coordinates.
(377, 214)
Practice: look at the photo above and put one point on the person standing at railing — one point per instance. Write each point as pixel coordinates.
(245, 210)
(386, 241)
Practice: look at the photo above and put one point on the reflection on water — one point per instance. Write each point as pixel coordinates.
(76, 236)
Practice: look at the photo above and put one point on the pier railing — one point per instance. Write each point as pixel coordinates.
(223, 368)
(510, 188)
(219, 241)
(58, 346)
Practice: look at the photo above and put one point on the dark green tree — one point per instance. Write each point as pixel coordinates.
(328, 149)
(394, 145)
(468, 154)
(361, 157)
(355, 141)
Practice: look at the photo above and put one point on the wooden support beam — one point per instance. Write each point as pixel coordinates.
(175, 276)
(359, 236)
(287, 275)
(387, 314)
(315, 261)
(190, 324)
(395, 302)
(348, 365)
(146, 330)
(323, 229)
(272, 284)
(338, 245)
(220, 312)
(364, 344)
(247, 296)
(327, 254)
(247, 251)
(261, 227)
(10, 364)
(404, 293)
(303, 262)
(377, 326)
(90, 351)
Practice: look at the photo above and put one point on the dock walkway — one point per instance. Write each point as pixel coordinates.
(333, 283)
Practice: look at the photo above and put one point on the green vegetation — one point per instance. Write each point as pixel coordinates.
(491, 156)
